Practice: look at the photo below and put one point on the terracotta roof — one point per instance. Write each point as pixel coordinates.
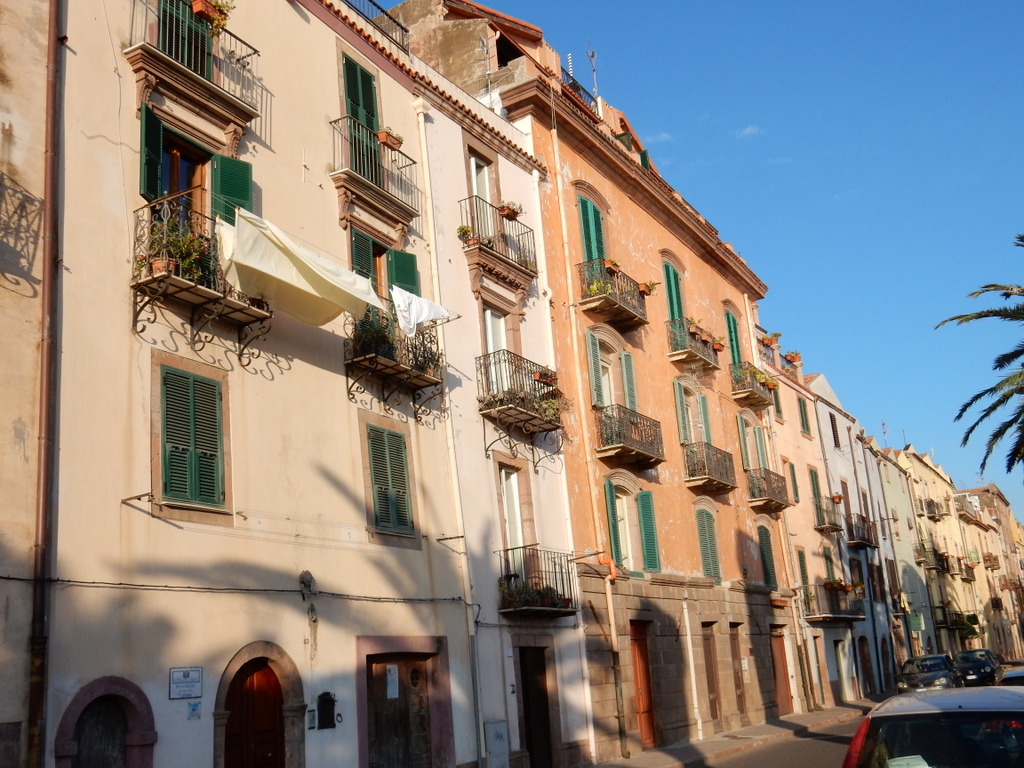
(500, 19)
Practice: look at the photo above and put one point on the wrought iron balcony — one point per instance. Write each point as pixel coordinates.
(519, 392)
(173, 30)
(382, 20)
(860, 532)
(932, 509)
(991, 561)
(573, 86)
(830, 606)
(928, 557)
(628, 435)
(940, 616)
(358, 152)
(537, 582)
(767, 489)
(708, 467)
(380, 347)
(688, 347)
(506, 237)
(827, 516)
(967, 571)
(611, 293)
(750, 386)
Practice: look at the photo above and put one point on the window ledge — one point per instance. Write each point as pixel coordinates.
(189, 512)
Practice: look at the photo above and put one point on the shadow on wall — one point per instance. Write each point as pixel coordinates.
(21, 217)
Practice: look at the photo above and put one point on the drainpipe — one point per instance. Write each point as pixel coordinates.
(692, 665)
(47, 413)
(613, 631)
(866, 560)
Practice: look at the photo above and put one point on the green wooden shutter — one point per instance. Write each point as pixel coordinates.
(193, 457)
(744, 450)
(379, 477)
(628, 379)
(792, 481)
(594, 364)
(732, 328)
(762, 451)
(708, 540)
(682, 413)
(801, 558)
(177, 433)
(209, 464)
(402, 271)
(705, 418)
(360, 94)
(362, 254)
(399, 473)
(764, 540)
(648, 530)
(613, 521)
(815, 484)
(805, 422)
(645, 159)
(152, 152)
(777, 401)
(592, 226)
(830, 567)
(673, 292)
(389, 479)
(231, 185)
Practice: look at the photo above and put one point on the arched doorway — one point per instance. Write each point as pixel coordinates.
(100, 733)
(108, 724)
(867, 671)
(254, 734)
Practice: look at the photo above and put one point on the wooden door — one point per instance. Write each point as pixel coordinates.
(780, 668)
(707, 634)
(100, 735)
(642, 682)
(399, 717)
(254, 735)
(536, 712)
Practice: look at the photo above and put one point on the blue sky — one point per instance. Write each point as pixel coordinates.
(865, 159)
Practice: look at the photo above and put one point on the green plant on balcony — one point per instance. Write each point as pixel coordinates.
(598, 288)
(175, 247)
(215, 12)
(551, 408)
(515, 594)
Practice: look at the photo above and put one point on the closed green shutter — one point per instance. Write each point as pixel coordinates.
(402, 271)
(594, 365)
(152, 152)
(682, 413)
(815, 484)
(645, 159)
(792, 481)
(741, 425)
(362, 255)
(732, 328)
(673, 292)
(613, 521)
(708, 540)
(231, 185)
(648, 530)
(805, 422)
(762, 451)
(705, 418)
(389, 478)
(592, 226)
(801, 558)
(764, 540)
(193, 458)
(360, 94)
(628, 379)
(830, 567)
(777, 401)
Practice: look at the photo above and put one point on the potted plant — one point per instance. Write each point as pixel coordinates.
(598, 288)
(550, 409)
(646, 289)
(612, 266)
(693, 325)
(465, 234)
(547, 378)
(718, 344)
(792, 356)
(389, 138)
(214, 12)
(510, 210)
(837, 497)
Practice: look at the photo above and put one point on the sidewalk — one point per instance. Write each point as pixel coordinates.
(700, 753)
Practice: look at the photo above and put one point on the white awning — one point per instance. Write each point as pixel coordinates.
(262, 260)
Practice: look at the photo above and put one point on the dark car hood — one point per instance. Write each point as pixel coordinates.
(922, 679)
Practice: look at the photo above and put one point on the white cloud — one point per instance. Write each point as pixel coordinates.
(750, 130)
(658, 137)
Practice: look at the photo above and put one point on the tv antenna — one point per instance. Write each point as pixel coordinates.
(592, 55)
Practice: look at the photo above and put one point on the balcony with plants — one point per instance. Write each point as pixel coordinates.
(186, 46)
(828, 518)
(927, 556)
(497, 243)
(628, 436)
(536, 582)
(368, 165)
(767, 490)
(378, 346)
(991, 561)
(832, 603)
(690, 343)
(752, 387)
(517, 392)
(708, 468)
(861, 532)
(609, 292)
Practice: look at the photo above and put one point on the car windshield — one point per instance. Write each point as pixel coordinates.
(930, 664)
(954, 740)
(971, 656)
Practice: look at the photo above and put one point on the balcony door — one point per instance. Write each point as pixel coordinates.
(361, 107)
(509, 480)
(495, 343)
(480, 189)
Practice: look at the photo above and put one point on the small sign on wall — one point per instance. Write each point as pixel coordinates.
(186, 683)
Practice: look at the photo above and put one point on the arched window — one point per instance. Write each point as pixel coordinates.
(692, 415)
(592, 228)
(632, 528)
(612, 381)
(753, 450)
(673, 292)
(733, 329)
(708, 540)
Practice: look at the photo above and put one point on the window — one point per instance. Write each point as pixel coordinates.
(835, 430)
(732, 328)
(384, 266)
(673, 292)
(625, 531)
(764, 540)
(508, 479)
(361, 107)
(611, 374)
(805, 421)
(746, 430)
(777, 402)
(708, 540)
(792, 480)
(389, 480)
(812, 473)
(692, 415)
(592, 226)
(830, 566)
(801, 558)
(192, 458)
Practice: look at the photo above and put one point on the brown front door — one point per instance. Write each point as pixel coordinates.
(399, 718)
(536, 712)
(707, 633)
(642, 682)
(783, 696)
(254, 735)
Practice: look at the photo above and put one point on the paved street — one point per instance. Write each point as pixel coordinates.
(817, 748)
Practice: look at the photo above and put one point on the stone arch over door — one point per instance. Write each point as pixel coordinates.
(140, 734)
(293, 706)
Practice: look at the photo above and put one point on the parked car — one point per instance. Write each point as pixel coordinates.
(978, 667)
(922, 673)
(1013, 676)
(962, 728)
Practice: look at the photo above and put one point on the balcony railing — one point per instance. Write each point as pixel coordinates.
(860, 532)
(380, 346)
(821, 605)
(708, 467)
(628, 435)
(537, 582)
(509, 238)
(930, 558)
(940, 616)
(569, 83)
(991, 561)
(357, 149)
(767, 489)
(967, 572)
(519, 392)
(382, 20)
(611, 292)
(827, 517)
(932, 509)
(687, 347)
(170, 27)
(748, 388)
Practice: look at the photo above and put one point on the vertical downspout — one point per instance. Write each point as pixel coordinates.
(45, 470)
(692, 666)
(613, 632)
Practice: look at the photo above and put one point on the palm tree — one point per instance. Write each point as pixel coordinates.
(1008, 388)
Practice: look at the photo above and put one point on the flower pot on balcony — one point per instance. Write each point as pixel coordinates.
(389, 140)
(792, 357)
(611, 266)
(717, 346)
(837, 497)
(777, 602)
(547, 379)
(472, 241)
(767, 340)
(205, 10)
(509, 213)
(162, 265)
